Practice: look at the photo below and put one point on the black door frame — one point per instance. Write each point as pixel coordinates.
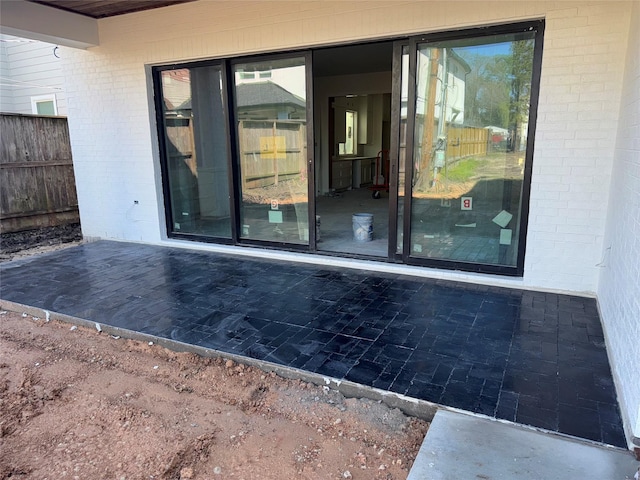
(395, 202)
(405, 257)
(310, 160)
(156, 73)
(394, 150)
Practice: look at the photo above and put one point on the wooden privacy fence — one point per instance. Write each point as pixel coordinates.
(36, 173)
(271, 151)
(466, 141)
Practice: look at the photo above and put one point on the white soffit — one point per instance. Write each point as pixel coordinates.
(39, 22)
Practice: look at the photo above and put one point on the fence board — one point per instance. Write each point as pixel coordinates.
(466, 141)
(36, 173)
(260, 169)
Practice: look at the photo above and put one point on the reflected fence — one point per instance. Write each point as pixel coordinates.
(271, 152)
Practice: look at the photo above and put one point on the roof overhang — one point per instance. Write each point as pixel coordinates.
(39, 22)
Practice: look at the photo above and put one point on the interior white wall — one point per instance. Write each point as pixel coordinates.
(619, 286)
(115, 145)
(335, 86)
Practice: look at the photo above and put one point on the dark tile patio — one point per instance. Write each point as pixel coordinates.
(534, 358)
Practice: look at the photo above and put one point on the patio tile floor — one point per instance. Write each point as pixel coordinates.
(529, 357)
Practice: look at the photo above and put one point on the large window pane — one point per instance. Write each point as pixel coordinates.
(272, 140)
(402, 146)
(470, 141)
(196, 151)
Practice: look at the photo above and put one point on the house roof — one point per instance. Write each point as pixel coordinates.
(107, 8)
(261, 94)
(264, 94)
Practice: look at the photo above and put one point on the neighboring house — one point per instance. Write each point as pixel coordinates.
(562, 77)
(452, 72)
(267, 100)
(31, 77)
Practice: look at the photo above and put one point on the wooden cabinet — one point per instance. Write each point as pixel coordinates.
(341, 174)
(362, 172)
(366, 171)
(352, 172)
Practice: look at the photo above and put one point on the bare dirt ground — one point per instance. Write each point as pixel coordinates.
(32, 242)
(79, 404)
(502, 166)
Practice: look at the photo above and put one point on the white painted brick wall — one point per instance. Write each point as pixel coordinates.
(619, 286)
(575, 137)
(114, 140)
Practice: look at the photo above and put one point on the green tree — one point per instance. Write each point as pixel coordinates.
(521, 60)
(487, 89)
(498, 88)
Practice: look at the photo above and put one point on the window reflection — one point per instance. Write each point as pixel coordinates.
(272, 138)
(402, 146)
(470, 139)
(196, 151)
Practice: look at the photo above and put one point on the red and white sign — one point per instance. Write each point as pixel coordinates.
(466, 203)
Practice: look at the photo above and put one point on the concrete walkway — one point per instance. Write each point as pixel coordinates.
(461, 446)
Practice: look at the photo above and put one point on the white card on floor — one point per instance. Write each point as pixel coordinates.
(275, 216)
(503, 218)
(505, 236)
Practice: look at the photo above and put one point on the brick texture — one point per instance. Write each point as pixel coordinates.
(113, 128)
(619, 287)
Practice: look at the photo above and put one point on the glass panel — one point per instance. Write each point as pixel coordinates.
(46, 108)
(197, 154)
(272, 140)
(472, 110)
(348, 146)
(402, 145)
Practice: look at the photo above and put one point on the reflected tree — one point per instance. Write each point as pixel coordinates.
(521, 72)
(498, 88)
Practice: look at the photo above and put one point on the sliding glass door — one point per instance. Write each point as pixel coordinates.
(272, 122)
(237, 139)
(193, 134)
(471, 111)
(235, 161)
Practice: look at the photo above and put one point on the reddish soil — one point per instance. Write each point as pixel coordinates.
(79, 404)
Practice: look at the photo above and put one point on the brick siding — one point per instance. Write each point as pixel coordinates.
(619, 286)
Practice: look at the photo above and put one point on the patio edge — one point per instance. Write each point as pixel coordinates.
(408, 405)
